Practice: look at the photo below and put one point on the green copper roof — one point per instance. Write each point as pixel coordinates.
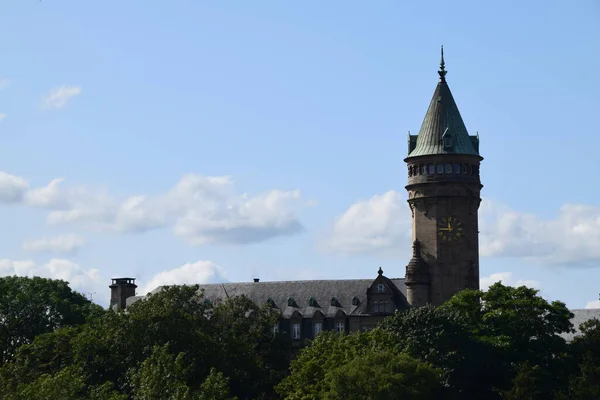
(443, 130)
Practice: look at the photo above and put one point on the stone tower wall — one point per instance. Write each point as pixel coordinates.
(453, 266)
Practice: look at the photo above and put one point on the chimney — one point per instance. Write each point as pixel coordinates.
(120, 290)
(256, 279)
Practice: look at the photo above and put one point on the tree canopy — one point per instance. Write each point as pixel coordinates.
(504, 343)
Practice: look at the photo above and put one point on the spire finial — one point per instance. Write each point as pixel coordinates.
(442, 72)
(380, 272)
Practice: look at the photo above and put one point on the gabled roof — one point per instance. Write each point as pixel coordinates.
(322, 291)
(443, 120)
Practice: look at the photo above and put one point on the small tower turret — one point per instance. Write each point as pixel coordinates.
(417, 278)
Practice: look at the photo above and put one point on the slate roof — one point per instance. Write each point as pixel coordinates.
(322, 291)
(442, 118)
(580, 317)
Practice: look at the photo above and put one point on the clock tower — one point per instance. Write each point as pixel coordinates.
(444, 195)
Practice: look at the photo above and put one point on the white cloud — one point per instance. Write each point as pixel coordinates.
(593, 304)
(198, 208)
(190, 273)
(83, 280)
(507, 280)
(4, 83)
(66, 244)
(382, 224)
(59, 97)
(12, 188)
(570, 238)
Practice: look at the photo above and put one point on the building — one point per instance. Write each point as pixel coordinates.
(443, 185)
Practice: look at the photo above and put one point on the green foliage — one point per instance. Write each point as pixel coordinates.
(160, 376)
(382, 375)
(215, 387)
(523, 331)
(327, 351)
(443, 338)
(525, 384)
(165, 345)
(499, 344)
(585, 381)
(32, 306)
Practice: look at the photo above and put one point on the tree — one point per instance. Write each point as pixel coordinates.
(173, 333)
(363, 365)
(584, 383)
(443, 338)
(325, 353)
(215, 387)
(161, 376)
(382, 375)
(32, 306)
(523, 330)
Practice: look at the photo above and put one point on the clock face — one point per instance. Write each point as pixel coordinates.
(450, 229)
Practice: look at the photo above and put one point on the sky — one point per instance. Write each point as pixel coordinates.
(211, 141)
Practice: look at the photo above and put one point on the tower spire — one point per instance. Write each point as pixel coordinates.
(442, 72)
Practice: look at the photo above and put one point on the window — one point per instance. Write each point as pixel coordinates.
(447, 142)
(440, 168)
(340, 326)
(317, 328)
(465, 168)
(296, 330)
(421, 168)
(410, 170)
(275, 328)
(380, 287)
(431, 169)
(448, 168)
(457, 168)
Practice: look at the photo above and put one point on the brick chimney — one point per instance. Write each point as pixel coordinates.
(120, 290)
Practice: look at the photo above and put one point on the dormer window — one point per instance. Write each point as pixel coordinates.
(447, 142)
(447, 139)
(355, 301)
(380, 287)
(271, 303)
(292, 303)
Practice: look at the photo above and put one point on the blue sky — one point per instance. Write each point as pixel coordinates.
(205, 141)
